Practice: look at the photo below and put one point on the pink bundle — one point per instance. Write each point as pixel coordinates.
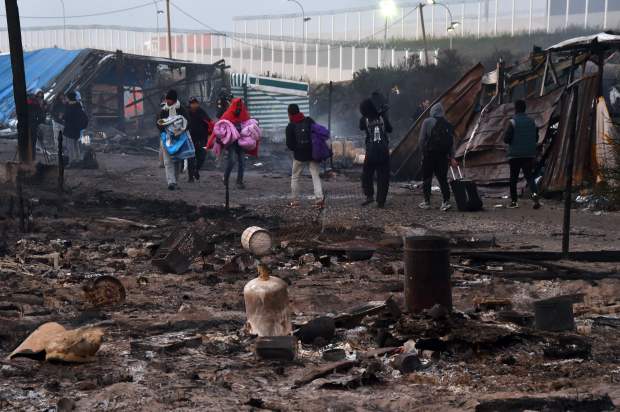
(225, 133)
(250, 135)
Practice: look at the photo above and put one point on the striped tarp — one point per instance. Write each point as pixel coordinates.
(268, 99)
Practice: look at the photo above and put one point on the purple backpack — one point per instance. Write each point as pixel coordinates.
(320, 149)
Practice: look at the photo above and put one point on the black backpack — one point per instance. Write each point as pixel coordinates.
(303, 139)
(442, 137)
(377, 145)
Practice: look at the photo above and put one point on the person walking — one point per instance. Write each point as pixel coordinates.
(36, 116)
(236, 113)
(299, 141)
(437, 144)
(75, 120)
(171, 107)
(521, 136)
(376, 124)
(58, 116)
(198, 125)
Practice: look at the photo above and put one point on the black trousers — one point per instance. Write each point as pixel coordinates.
(195, 164)
(382, 170)
(525, 164)
(435, 164)
(234, 150)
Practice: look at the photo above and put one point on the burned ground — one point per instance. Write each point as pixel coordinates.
(177, 341)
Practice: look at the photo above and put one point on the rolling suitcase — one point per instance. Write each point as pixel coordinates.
(465, 193)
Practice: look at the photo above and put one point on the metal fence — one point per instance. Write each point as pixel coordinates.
(475, 18)
(282, 57)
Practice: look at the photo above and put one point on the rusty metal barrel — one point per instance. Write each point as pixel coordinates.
(427, 273)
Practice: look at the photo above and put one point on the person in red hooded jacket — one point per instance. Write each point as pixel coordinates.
(237, 113)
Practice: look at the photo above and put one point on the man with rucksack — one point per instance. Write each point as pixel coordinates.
(76, 120)
(299, 141)
(437, 144)
(376, 124)
(522, 140)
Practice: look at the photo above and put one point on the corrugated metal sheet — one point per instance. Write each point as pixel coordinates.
(484, 152)
(459, 103)
(268, 98)
(607, 140)
(555, 170)
(42, 67)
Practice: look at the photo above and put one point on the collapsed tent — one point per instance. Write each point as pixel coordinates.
(481, 105)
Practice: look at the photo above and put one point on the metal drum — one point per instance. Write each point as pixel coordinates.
(427, 273)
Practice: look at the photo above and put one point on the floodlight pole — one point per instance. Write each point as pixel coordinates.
(421, 11)
(64, 25)
(169, 32)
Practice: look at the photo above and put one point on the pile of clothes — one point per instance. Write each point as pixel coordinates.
(176, 139)
(236, 126)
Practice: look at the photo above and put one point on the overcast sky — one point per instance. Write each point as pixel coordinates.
(217, 13)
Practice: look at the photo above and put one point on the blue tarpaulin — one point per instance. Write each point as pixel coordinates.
(42, 67)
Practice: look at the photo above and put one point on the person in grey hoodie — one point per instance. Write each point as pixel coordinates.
(437, 144)
(522, 139)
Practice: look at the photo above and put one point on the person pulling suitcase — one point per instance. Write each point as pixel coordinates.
(437, 143)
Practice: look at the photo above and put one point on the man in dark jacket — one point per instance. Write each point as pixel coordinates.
(171, 107)
(36, 117)
(376, 124)
(76, 120)
(198, 125)
(299, 141)
(522, 139)
(437, 144)
(58, 115)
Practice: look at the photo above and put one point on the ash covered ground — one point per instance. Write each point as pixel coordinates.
(485, 356)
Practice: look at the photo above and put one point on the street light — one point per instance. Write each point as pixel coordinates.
(304, 19)
(388, 9)
(453, 24)
(157, 15)
(64, 25)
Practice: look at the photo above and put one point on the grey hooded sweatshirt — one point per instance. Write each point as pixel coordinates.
(436, 112)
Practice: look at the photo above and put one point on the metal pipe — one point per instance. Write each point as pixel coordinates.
(587, 11)
(568, 199)
(567, 14)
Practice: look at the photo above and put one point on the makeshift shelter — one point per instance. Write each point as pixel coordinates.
(118, 90)
(480, 106)
(459, 102)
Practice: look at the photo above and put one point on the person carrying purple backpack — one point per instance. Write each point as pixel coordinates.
(300, 134)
